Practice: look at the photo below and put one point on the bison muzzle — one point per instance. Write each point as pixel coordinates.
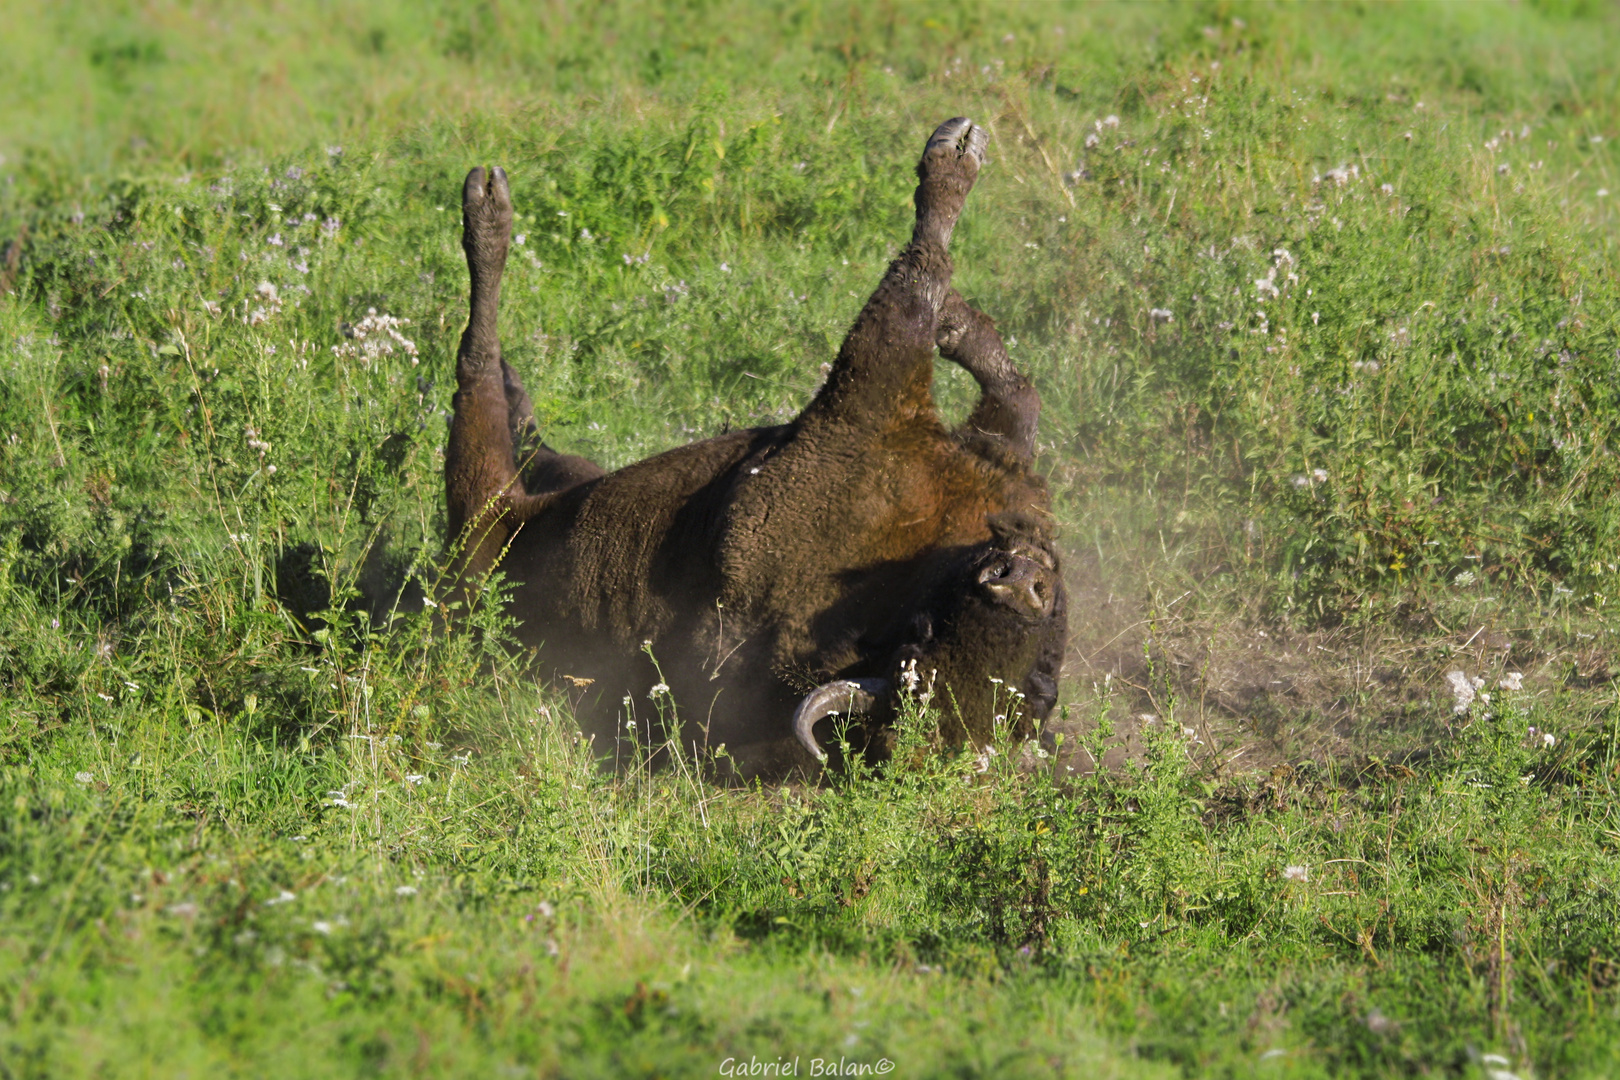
(781, 575)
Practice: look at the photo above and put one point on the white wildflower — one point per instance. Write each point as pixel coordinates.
(84, 777)
(283, 897)
(1300, 874)
(321, 927)
(1160, 314)
(1513, 680)
(405, 890)
(375, 337)
(1464, 579)
(1319, 475)
(1463, 690)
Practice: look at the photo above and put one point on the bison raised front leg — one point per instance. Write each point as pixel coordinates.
(1009, 408)
(885, 367)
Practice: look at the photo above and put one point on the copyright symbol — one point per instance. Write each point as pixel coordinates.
(883, 1067)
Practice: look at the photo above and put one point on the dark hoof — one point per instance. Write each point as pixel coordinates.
(949, 166)
(958, 143)
(486, 219)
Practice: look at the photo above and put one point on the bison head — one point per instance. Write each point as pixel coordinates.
(985, 644)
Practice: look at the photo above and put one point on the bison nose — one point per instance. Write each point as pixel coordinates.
(1021, 582)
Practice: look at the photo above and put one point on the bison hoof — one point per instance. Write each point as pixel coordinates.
(486, 220)
(950, 163)
(957, 143)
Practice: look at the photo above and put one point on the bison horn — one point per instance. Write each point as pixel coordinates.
(853, 696)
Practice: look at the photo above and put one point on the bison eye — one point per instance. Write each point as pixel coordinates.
(995, 571)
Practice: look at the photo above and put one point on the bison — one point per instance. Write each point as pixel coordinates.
(768, 579)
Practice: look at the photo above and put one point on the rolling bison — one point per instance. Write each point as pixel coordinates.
(784, 574)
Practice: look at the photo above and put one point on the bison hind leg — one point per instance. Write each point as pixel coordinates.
(543, 469)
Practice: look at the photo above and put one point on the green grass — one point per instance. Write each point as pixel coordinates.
(1393, 459)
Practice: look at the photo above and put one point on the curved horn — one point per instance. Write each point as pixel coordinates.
(851, 696)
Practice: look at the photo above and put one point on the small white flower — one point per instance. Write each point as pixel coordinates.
(658, 688)
(1463, 690)
(1547, 740)
(1296, 873)
(1387, 189)
(405, 890)
(1160, 314)
(1464, 579)
(283, 897)
(545, 909)
(1319, 475)
(84, 777)
(725, 269)
(414, 778)
(1513, 680)
(321, 926)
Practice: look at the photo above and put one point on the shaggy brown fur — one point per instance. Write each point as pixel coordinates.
(859, 538)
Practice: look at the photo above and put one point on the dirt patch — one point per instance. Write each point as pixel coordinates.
(1251, 696)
